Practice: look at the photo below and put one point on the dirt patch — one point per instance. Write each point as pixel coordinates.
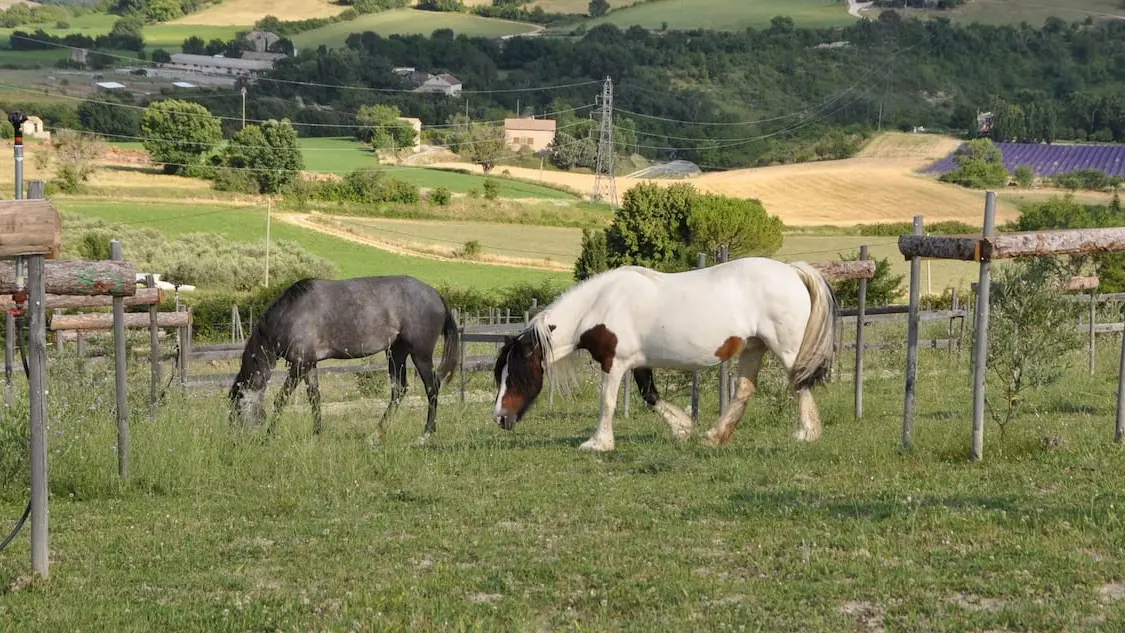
(867, 615)
(970, 602)
(1112, 592)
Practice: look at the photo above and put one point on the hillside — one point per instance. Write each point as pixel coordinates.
(727, 14)
(245, 12)
(1034, 12)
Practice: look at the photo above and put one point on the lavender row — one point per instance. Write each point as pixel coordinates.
(1050, 160)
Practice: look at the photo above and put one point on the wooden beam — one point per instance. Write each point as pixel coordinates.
(104, 320)
(79, 277)
(940, 247)
(1065, 242)
(144, 297)
(29, 227)
(839, 270)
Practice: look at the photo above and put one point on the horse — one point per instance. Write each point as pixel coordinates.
(635, 318)
(318, 319)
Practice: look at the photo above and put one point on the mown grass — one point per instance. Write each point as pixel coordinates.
(409, 21)
(340, 156)
(1031, 11)
(249, 223)
(486, 530)
(728, 14)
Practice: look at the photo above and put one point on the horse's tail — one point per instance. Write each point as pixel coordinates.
(451, 354)
(818, 347)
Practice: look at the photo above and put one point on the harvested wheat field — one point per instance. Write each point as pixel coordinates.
(878, 185)
(244, 12)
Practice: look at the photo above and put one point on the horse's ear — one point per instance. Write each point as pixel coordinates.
(550, 328)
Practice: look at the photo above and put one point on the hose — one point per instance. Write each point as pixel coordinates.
(27, 372)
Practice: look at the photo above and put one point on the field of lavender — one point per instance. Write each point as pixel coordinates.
(1051, 160)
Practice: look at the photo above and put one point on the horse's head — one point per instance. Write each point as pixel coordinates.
(519, 377)
(245, 404)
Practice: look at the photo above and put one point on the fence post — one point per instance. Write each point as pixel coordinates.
(1093, 323)
(37, 401)
(116, 253)
(461, 352)
(154, 350)
(912, 344)
(861, 311)
(1119, 430)
(980, 335)
(724, 367)
(700, 262)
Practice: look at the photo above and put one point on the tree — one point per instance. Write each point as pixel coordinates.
(592, 259)
(179, 133)
(740, 225)
(268, 153)
(1029, 336)
(980, 165)
(651, 227)
(161, 56)
(482, 144)
(598, 8)
(381, 127)
(194, 45)
(111, 116)
(568, 152)
(74, 156)
(882, 289)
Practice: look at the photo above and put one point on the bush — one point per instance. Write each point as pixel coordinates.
(471, 250)
(517, 297)
(980, 166)
(883, 289)
(441, 197)
(1029, 333)
(1087, 179)
(491, 189)
(592, 259)
(365, 186)
(1024, 176)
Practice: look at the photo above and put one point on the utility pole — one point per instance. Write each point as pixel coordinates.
(604, 186)
(244, 107)
(269, 212)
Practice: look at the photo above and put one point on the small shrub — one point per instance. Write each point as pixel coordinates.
(1024, 176)
(491, 189)
(1030, 337)
(441, 197)
(471, 250)
(474, 193)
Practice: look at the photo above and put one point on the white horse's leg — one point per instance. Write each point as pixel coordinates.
(602, 440)
(749, 364)
(810, 428)
(678, 420)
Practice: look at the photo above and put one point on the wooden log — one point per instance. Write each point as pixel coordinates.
(144, 297)
(1065, 242)
(29, 227)
(940, 247)
(1083, 283)
(104, 321)
(839, 270)
(79, 277)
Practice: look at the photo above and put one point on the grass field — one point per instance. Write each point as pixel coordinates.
(408, 21)
(1034, 12)
(340, 156)
(248, 224)
(573, 6)
(485, 530)
(168, 36)
(728, 14)
(242, 12)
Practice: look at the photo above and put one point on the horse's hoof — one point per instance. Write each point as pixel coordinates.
(593, 445)
(711, 439)
(421, 441)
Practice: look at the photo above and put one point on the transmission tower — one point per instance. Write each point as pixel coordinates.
(604, 186)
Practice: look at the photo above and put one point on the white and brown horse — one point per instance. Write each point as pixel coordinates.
(640, 319)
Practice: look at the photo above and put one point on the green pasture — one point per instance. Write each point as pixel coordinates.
(249, 223)
(728, 14)
(217, 529)
(409, 21)
(1033, 12)
(340, 156)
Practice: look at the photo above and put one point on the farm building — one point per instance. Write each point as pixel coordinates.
(219, 65)
(535, 134)
(33, 128)
(444, 83)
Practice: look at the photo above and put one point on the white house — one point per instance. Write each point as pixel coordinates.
(218, 64)
(444, 83)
